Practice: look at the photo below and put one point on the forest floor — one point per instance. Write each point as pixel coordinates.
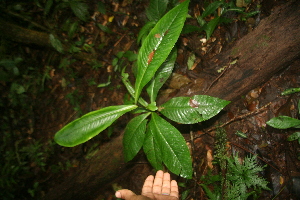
(71, 90)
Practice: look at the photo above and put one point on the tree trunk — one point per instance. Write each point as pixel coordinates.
(272, 46)
(106, 165)
(26, 36)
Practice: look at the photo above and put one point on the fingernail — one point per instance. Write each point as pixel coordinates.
(118, 194)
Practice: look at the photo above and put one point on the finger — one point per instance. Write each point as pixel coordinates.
(174, 189)
(125, 194)
(166, 185)
(148, 184)
(157, 185)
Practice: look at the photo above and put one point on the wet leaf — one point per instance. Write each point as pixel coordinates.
(191, 61)
(56, 43)
(90, 125)
(156, 9)
(161, 75)
(152, 150)
(284, 122)
(211, 8)
(172, 146)
(294, 136)
(179, 110)
(290, 91)
(134, 136)
(169, 27)
(210, 26)
(241, 134)
(73, 28)
(145, 30)
(80, 9)
(48, 6)
(187, 110)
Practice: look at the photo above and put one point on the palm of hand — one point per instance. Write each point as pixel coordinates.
(158, 188)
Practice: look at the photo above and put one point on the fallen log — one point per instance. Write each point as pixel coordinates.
(271, 47)
(23, 35)
(106, 165)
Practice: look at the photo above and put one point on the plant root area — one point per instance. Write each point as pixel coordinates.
(62, 92)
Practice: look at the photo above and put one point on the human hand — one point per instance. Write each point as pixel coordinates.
(159, 188)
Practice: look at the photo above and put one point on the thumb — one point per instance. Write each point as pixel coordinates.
(125, 194)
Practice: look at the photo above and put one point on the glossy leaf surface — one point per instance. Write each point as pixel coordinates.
(161, 75)
(172, 146)
(90, 125)
(156, 9)
(158, 44)
(190, 110)
(152, 150)
(134, 136)
(284, 122)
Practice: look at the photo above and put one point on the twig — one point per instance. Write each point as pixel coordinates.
(237, 145)
(194, 163)
(121, 38)
(222, 73)
(235, 119)
(241, 117)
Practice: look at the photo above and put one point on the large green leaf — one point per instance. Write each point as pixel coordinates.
(134, 136)
(158, 44)
(152, 150)
(145, 31)
(190, 110)
(80, 9)
(208, 106)
(156, 9)
(56, 43)
(284, 122)
(90, 125)
(172, 146)
(210, 26)
(161, 75)
(211, 8)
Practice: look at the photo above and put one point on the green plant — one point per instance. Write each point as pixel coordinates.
(74, 99)
(161, 142)
(154, 13)
(218, 9)
(236, 179)
(286, 122)
(78, 7)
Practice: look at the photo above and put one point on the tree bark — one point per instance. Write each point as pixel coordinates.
(106, 165)
(272, 46)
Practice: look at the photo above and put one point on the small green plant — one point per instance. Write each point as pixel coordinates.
(161, 142)
(154, 13)
(236, 179)
(218, 9)
(78, 7)
(285, 122)
(74, 99)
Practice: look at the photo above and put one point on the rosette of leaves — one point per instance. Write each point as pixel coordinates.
(162, 143)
